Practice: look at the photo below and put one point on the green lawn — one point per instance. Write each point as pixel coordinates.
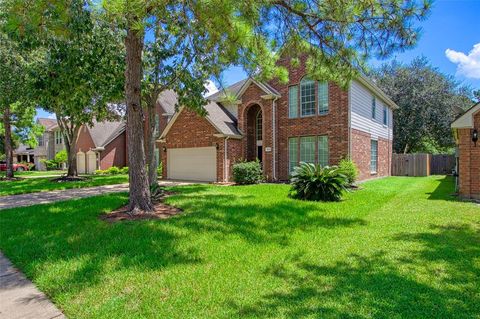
(32, 185)
(37, 173)
(399, 248)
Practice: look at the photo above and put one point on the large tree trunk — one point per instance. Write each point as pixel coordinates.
(152, 139)
(8, 142)
(70, 147)
(70, 133)
(140, 200)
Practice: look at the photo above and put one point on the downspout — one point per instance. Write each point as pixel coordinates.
(225, 159)
(350, 121)
(274, 142)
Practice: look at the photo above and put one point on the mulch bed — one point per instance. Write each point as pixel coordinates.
(3, 178)
(69, 179)
(162, 211)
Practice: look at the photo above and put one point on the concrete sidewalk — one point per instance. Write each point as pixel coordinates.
(19, 298)
(22, 200)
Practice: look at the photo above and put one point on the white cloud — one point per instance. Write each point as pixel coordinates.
(467, 65)
(52, 116)
(211, 87)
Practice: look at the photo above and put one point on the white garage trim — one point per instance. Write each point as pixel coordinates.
(195, 164)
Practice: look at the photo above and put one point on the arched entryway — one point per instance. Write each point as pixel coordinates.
(255, 133)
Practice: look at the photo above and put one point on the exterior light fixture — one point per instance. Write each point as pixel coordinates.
(217, 146)
(475, 136)
(165, 149)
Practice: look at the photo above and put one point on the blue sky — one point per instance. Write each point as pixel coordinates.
(453, 25)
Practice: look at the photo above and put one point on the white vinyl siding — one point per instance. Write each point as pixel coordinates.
(307, 97)
(373, 156)
(361, 113)
(323, 153)
(322, 98)
(292, 153)
(293, 101)
(307, 149)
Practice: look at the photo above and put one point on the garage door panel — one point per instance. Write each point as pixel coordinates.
(197, 164)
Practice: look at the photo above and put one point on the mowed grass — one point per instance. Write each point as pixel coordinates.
(35, 173)
(398, 248)
(45, 184)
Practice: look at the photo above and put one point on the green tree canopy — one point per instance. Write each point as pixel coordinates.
(429, 101)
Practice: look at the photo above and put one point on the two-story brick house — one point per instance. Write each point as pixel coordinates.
(282, 125)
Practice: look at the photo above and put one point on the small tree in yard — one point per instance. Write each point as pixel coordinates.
(16, 111)
(337, 36)
(77, 74)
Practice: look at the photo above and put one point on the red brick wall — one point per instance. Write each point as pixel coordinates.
(469, 164)
(251, 98)
(84, 141)
(334, 124)
(192, 130)
(114, 153)
(361, 147)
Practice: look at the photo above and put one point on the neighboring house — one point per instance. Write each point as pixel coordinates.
(281, 125)
(24, 154)
(466, 129)
(49, 143)
(101, 146)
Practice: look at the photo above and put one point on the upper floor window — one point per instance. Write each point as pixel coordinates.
(40, 140)
(322, 97)
(385, 115)
(374, 107)
(58, 137)
(259, 126)
(307, 97)
(293, 101)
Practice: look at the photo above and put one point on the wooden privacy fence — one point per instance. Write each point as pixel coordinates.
(442, 164)
(422, 164)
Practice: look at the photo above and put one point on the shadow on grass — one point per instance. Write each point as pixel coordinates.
(445, 190)
(441, 280)
(71, 234)
(247, 217)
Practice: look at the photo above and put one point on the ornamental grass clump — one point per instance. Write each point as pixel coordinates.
(316, 183)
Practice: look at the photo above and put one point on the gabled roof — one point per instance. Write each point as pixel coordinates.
(168, 99)
(102, 133)
(230, 90)
(217, 116)
(48, 124)
(263, 86)
(466, 119)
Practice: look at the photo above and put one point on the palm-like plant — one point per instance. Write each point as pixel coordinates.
(314, 182)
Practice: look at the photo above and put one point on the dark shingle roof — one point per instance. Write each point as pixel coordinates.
(168, 99)
(103, 133)
(223, 121)
(232, 90)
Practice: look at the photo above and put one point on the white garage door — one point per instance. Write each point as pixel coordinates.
(195, 164)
